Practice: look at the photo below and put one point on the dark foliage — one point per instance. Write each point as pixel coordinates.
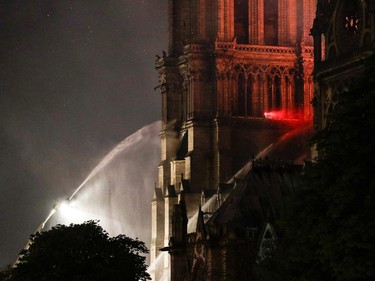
(81, 252)
(329, 232)
(5, 273)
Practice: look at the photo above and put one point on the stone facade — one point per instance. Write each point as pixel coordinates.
(344, 35)
(229, 65)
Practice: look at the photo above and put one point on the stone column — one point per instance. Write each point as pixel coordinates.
(256, 22)
(260, 10)
(219, 106)
(284, 93)
(227, 105)
(257, 81)
(308, 96)
(225, 20)
(255, 97)
(190, 98)
(247, 84)
(283, 23)
(263, 85)
(292, 94)
(157, 232)
(233, 95)
(273, 102)
(292, 21)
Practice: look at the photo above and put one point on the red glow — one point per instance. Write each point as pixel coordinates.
(284, 115)
(275, 115)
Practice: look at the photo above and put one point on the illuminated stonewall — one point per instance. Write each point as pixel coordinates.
(236, 78)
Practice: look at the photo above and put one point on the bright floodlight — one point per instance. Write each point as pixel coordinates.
(69, 211)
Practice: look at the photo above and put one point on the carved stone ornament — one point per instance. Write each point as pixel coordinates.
(348, 25)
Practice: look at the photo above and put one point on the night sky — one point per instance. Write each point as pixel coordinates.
(76, 78)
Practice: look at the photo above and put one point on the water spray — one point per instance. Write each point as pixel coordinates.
(127, 142)
(58, 205)
(119, 148)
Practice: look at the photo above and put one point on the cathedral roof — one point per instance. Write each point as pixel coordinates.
(259, 198)
(212, 201)
(258, 191)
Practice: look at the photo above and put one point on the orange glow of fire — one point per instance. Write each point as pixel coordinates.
(293, 118)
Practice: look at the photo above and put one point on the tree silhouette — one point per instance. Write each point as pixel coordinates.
(81, 252)
(329, 232)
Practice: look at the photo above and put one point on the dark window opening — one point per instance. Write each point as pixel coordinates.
(241, 21)
(299, 93)
(271, 22)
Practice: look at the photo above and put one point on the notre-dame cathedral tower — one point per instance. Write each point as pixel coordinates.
(231, 66)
